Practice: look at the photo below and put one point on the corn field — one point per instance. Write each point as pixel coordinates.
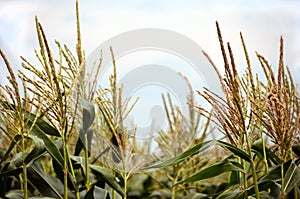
(64, 136)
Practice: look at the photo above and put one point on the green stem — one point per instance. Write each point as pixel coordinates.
(25, 181)
(25, 188)
(174, 182)
(173, 193)
(77, 194)
(113, 192)
(253, 169)
(65, 169)
(125, 177)
(245, 178)
(296, 192)
(87, 170)
(125, 185)
(264, 153)
(296, 187)
(282, 180)
(255, 180)
(265, 161)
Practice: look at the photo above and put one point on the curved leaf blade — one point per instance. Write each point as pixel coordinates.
(13, 143)
(234, 150)
(49, 145)
(257, 148)
(46, 184)
(192, 151)
(96, 193)
(43, 125)
(214, 170)
(15, 194)
(291, 178)
(14, 172)
(109, 178)
(38, 149)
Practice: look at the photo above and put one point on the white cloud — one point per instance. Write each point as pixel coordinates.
(262, 22)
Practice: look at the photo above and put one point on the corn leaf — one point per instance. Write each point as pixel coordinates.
(108, 177)
(13, 143)
(38, 149)
(49, 145)
(234, 150)
(292, 177)
(190, 152)
(96, 193)
(214, 170)
(46, 184)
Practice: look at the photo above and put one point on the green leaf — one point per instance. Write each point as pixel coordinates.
(194, 195)
(274, 173)
(16, 161)
(190, 152)
(5, 181)
(80, 141)
(46, 184)
(161, 193)
(198, 148)
(49, 145)
(14, 194)
(37, 150)
(52, 150)
(88, 117)
(43, 125)
(262, 186)
(88, 113)
(291, 177)
(108, 177)
(296, 149)
(14, 172)
(79, 144)
(96, 193)
(59, 171)
(214, 170)
(257, 148)
(234, 178)
(240, 153)
(232, 193)
(13, 143)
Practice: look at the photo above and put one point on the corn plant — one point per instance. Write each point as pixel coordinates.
(64, 136)
(48, 118)
(252, 110)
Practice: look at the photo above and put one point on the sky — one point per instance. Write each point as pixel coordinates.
(261, 22)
